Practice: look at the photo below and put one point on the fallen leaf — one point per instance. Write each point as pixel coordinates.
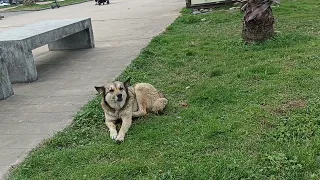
(184, 104)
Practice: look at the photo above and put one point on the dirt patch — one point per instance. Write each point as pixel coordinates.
(298, 104)
(286, 107)
(265, 124)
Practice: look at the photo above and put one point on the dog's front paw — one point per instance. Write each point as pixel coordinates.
(113, 135)
(119, 139)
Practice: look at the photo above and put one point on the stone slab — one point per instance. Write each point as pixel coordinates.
(39, 29)
(16, 45)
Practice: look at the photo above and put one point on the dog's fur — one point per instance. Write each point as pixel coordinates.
(122, 101)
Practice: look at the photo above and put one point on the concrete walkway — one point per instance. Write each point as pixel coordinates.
(66, 79)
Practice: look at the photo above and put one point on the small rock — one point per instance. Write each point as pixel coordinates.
(204, 19)
(236, 3)
(188, 87)
(196, 12)
(234, 8)
(204, 10)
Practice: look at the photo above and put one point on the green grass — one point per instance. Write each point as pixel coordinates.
(37, 7)
(1, 7)
(253, 110)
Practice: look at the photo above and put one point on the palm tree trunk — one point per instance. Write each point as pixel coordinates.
(259, 28)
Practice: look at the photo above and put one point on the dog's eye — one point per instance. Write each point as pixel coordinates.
(111, 90)
(121, 88)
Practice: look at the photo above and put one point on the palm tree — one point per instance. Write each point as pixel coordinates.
(258, 20)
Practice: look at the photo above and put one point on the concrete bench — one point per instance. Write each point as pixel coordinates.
(16, 45)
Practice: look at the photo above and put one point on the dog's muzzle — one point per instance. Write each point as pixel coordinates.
(119, 97)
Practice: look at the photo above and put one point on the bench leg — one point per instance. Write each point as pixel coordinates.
(5, 84)
(20, 64)
(81, 40)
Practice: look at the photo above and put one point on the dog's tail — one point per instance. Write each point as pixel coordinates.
(159, 105)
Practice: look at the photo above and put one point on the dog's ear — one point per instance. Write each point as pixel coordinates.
(127, 82)
(100, 89)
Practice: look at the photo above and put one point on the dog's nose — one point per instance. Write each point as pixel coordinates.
(119, 97)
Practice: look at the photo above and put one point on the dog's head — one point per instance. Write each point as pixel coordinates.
(115, 93)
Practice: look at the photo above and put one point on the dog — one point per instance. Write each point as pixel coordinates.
(122, 101)
(99, 2)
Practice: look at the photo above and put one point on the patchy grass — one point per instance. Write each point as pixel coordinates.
(37, 7)
(235, 111)
(2, 7)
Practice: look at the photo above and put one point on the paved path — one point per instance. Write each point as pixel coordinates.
(8, 14)
(66, 78)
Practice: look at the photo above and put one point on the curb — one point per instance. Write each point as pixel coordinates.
(45, 8)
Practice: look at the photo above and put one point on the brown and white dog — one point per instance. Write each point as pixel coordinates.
(122, 101)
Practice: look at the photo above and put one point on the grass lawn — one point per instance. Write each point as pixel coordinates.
(253, 111)
(1, 7)
(45, 6)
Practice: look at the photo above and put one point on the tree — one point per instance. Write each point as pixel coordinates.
(258, 21)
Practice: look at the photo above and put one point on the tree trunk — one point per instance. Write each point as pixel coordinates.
(28, 2)
(259, 28)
